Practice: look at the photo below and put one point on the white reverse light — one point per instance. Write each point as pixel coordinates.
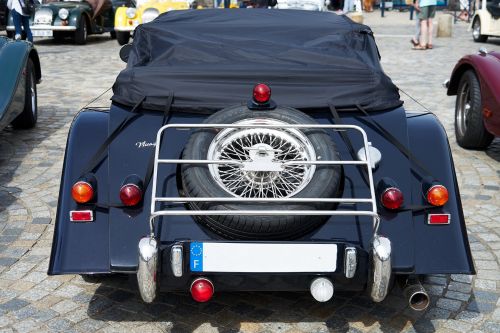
(322, 289)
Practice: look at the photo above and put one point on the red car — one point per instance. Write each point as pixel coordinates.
(475, 81)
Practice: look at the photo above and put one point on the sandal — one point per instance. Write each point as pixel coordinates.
(429, 46)
(414, 42)
(419, 47)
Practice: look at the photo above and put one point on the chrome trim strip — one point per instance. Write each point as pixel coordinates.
(147, 269)
(382, 269)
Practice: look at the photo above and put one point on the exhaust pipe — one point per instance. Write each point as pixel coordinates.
(417, 296)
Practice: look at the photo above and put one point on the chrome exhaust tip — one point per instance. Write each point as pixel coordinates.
(418, 298)
(146, 271)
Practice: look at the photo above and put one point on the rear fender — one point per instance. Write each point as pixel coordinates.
(438, 248)
(13, 58)
(82, 247)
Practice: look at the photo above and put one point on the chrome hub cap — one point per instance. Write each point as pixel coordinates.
(464, 107)
(263, 153)
(476, 30)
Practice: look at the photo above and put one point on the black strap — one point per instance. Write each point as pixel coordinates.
(99, 156)
(348, 142)
(389, 137)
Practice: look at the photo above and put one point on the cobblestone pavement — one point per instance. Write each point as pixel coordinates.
(31, 163)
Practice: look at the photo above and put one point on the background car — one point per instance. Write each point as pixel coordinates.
(319, 5)
(72, 18)
(475, 81)
(20, 68)
(4, 13)
(486, 21)
(142, 11)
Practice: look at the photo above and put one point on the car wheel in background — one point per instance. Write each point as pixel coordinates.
(81, 32)
(476, 31)
(10, 34)
(469, 126)
(122, 37)
(28, 118)
(112, 34)
(58, 36)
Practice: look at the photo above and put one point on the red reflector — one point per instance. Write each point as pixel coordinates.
(202, 290)
(261, 93)
(392, 198)
(438, 219)
(130, 194)
(81, 216)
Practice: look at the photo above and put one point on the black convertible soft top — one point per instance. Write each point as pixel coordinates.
(209, 59)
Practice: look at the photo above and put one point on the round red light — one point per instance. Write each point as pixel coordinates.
(202, 290)
(437, 195)
(261, 93)
(130, 194)
(392, 198)
(82, 192)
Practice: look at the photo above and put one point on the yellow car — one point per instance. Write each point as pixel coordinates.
(127, 18)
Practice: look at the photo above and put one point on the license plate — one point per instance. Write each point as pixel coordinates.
(42, 33)
(262, 258)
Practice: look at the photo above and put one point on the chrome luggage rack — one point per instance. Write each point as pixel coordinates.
(362, 163)
(148, 247)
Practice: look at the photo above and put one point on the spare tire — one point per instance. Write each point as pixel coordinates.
(262, 175)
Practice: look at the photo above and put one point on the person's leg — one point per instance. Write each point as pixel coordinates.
(423, 32)
(227, 3)
(430, 31)
(26, 25)
(417, 29)
(16, 17)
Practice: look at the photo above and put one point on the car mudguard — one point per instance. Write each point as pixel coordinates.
(13, 58)
(438, 248)
(82, 247)
(486, 67)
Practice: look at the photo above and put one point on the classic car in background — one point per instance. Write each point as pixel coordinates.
(475, 81)
(20, 73)
(72, 18)
(4, 12)
(201, 178)
(318, 5)
(486, 21)
(142, 11)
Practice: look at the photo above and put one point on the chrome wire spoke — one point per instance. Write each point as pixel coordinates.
(263, 152)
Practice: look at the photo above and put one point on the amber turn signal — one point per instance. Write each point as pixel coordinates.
(437, 195)
(82, 192)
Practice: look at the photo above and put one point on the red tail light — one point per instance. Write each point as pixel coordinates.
(130, 194)
(202, 290)
(261, 93)
(82, 192)
(392, 198)
(437, 195)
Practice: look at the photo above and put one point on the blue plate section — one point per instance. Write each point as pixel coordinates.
(196, 257)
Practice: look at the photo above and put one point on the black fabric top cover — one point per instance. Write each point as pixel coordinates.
(210, 59)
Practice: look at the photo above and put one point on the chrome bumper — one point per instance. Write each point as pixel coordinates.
(46, 27)
(382, 269)
(147, 269)
(124, 29)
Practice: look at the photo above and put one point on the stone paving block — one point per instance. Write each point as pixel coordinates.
(491, 327)
(64, 306)
(464, 278)
(28, 325)
(481, 307)
(461, 287)
(13, 305)
(485, 284)
(449, 304)
(458, 296)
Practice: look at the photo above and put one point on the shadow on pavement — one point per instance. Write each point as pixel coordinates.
(117, 300)
(493, 150)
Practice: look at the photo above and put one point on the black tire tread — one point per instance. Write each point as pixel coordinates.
(476, 136)
(27, 119)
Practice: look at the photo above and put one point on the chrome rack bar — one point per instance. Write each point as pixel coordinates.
(366, 163)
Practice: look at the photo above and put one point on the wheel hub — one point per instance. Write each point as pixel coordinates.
(270, 160)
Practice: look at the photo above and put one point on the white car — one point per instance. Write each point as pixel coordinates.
(314, 5)
(486, 21)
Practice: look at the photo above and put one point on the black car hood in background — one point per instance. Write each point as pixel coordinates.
(209, 59)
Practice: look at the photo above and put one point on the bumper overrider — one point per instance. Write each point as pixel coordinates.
(313, 265)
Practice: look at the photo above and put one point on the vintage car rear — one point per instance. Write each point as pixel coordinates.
(201, 178)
